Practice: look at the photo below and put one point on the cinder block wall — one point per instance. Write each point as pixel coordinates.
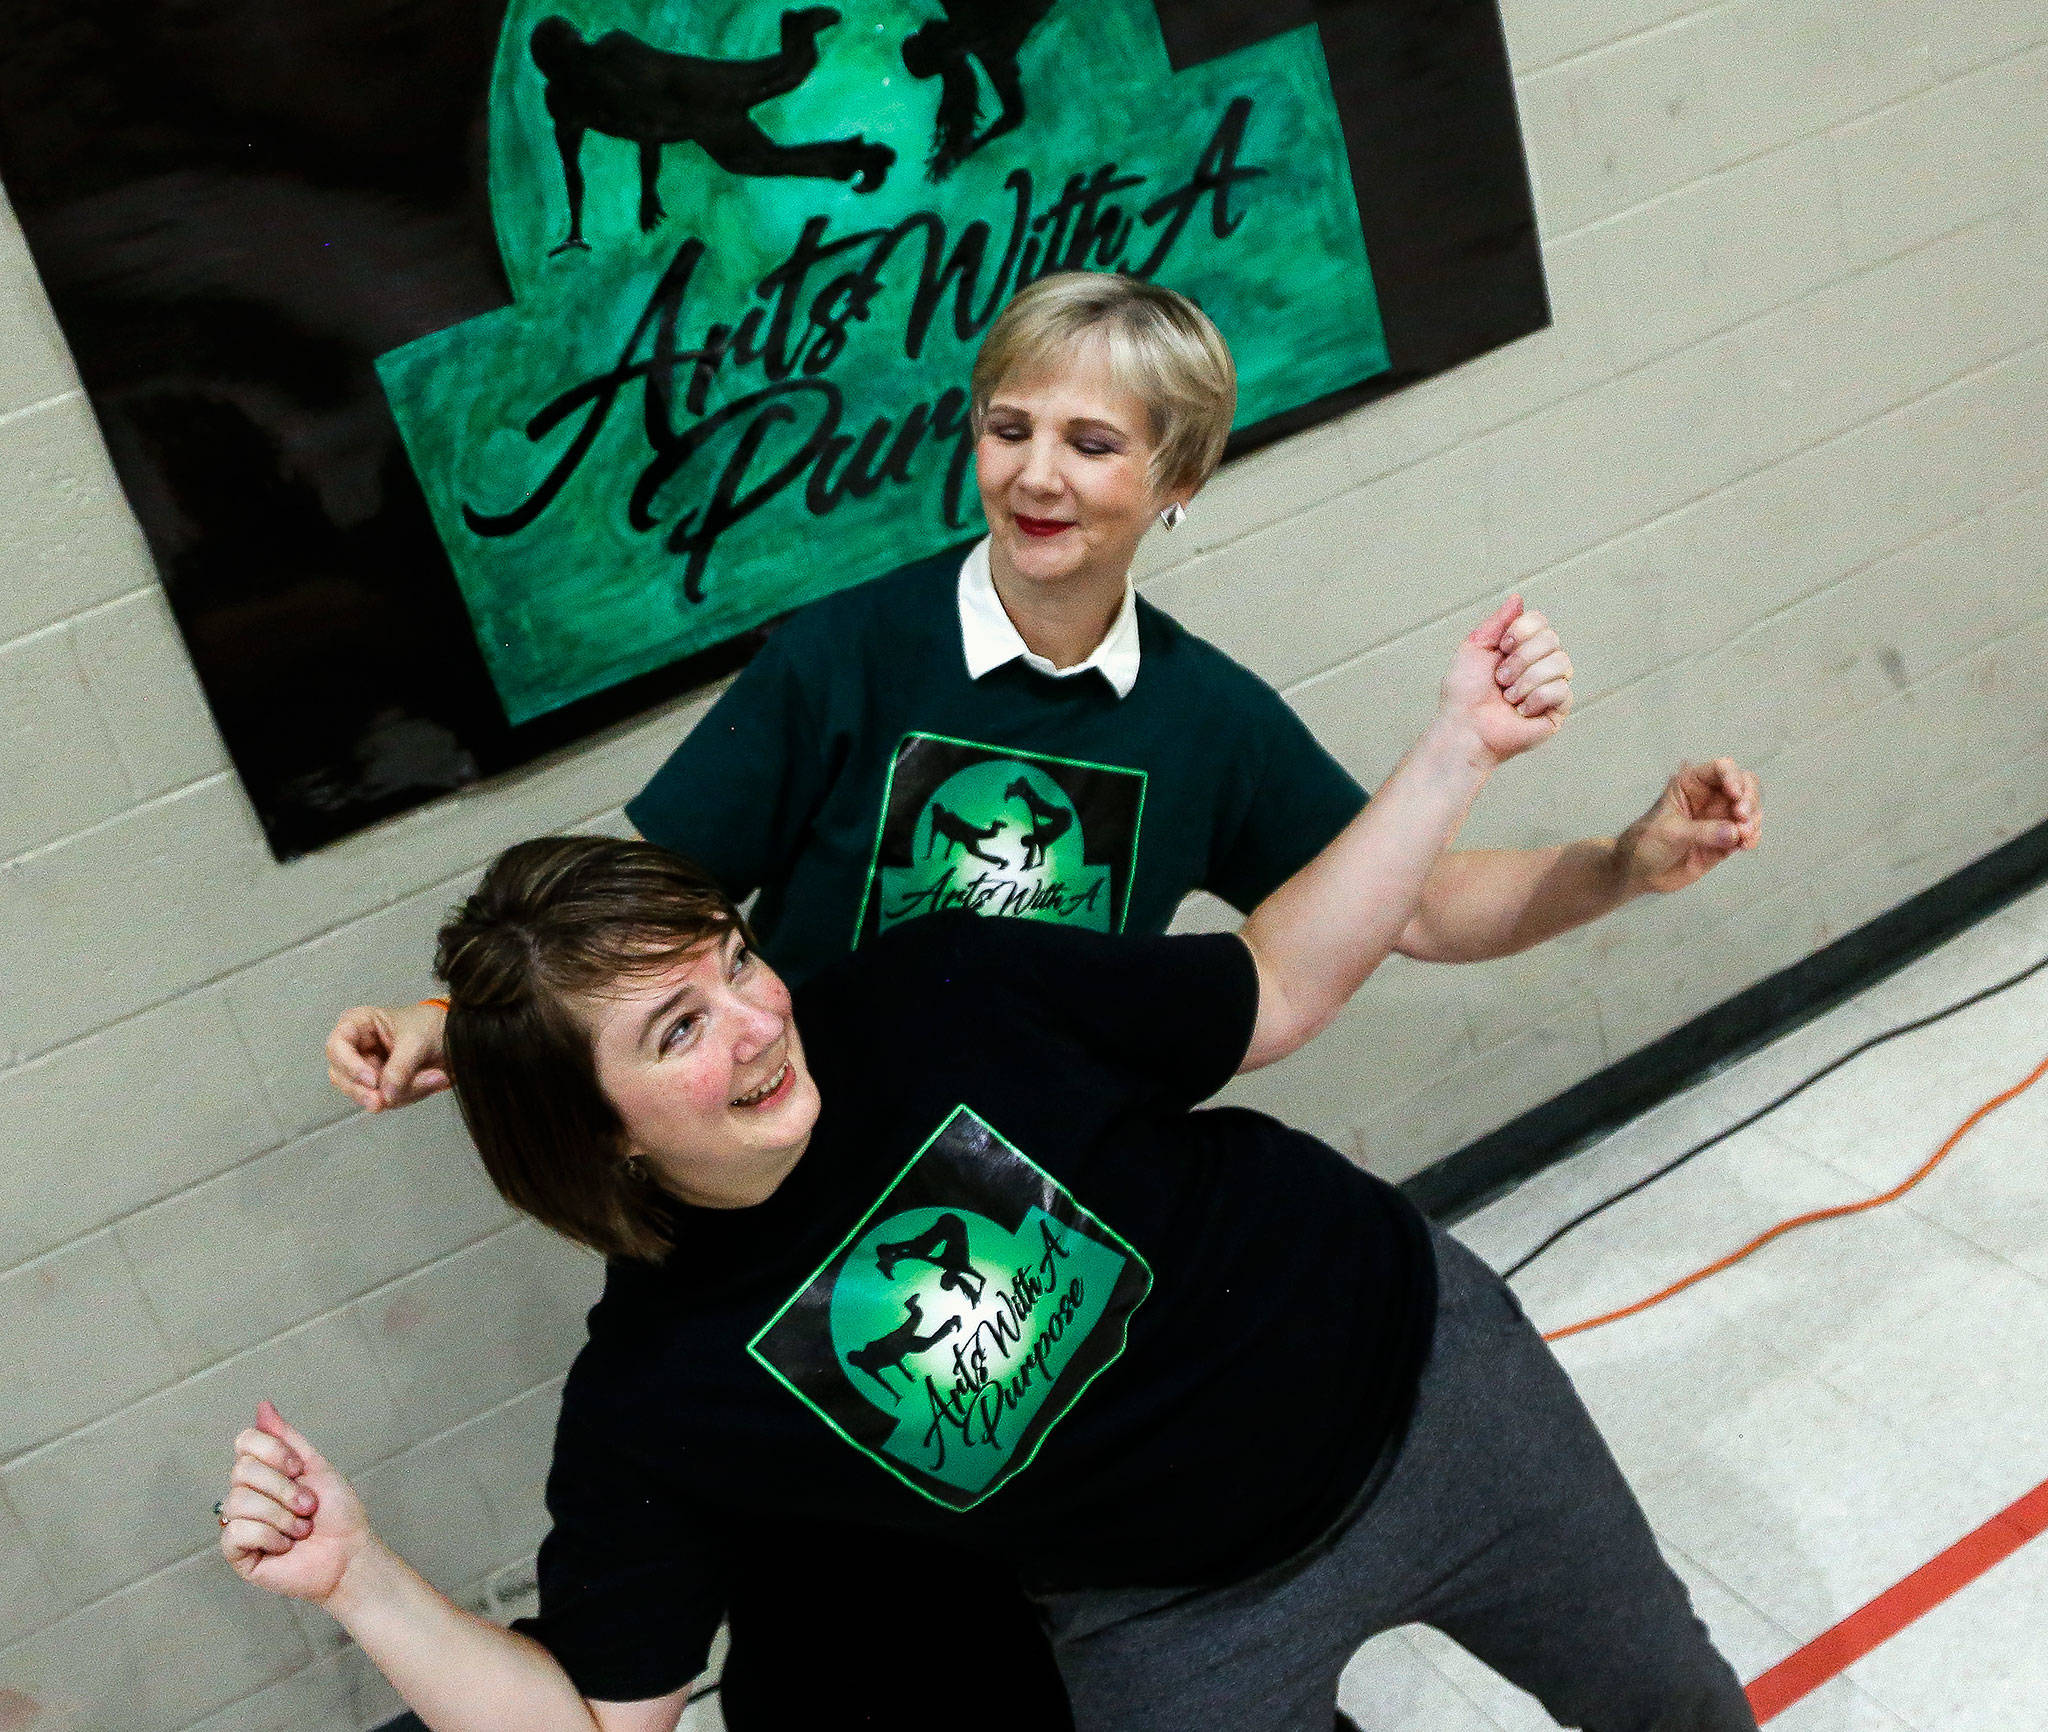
(1778, 472)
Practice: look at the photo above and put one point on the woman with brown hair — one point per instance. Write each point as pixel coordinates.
(1018, 732)
(939, 1250)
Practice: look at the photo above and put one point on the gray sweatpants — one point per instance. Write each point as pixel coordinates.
(1503, 1522)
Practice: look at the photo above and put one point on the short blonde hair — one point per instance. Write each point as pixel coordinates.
(1160, 346)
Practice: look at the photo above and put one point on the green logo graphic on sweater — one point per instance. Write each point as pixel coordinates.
(752, 251)
(960, 1320)
(988, 830)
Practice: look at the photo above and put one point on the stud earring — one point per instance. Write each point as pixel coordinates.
(1174, 515)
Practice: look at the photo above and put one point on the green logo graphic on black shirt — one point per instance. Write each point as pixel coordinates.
(994, 831)
(963, 1316)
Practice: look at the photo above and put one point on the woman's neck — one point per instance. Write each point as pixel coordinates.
(1065, 619)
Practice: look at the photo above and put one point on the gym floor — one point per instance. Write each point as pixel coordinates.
(1814, 1428)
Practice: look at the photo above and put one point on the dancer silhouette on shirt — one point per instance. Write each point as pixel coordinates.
(1048, 823)
(944, 1246)
(888, 1352)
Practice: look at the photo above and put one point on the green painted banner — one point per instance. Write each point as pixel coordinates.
(752, 254)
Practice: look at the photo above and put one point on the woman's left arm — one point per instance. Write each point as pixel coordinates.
(1488, 902)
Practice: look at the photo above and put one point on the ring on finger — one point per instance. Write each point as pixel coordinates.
(220, 1513)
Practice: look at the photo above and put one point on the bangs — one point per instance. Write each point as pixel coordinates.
(625, 952)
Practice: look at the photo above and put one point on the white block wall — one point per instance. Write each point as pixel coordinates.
(1779, 472)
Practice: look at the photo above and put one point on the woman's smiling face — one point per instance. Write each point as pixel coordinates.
(702, 1063)
(1064, 464)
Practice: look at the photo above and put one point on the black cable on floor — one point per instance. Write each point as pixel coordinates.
(1672, 1166)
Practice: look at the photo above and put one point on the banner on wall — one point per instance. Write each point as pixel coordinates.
(484, 373)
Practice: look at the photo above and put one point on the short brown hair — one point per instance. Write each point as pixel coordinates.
(1160, 346)
(556, 918)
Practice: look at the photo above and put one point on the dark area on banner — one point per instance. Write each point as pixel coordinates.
(235, 208)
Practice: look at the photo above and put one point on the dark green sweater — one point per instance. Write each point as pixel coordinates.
(857, 777)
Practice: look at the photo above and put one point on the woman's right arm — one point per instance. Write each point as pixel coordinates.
(293, 1525)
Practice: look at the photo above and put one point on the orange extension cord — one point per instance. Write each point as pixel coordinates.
(1784, 1227)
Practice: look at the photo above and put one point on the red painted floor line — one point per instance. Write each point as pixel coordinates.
(1834, 1651)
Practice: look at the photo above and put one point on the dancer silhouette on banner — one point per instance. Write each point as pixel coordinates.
(991, 31)
(624, 88)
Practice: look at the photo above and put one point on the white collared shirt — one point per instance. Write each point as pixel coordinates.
(991, 641)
